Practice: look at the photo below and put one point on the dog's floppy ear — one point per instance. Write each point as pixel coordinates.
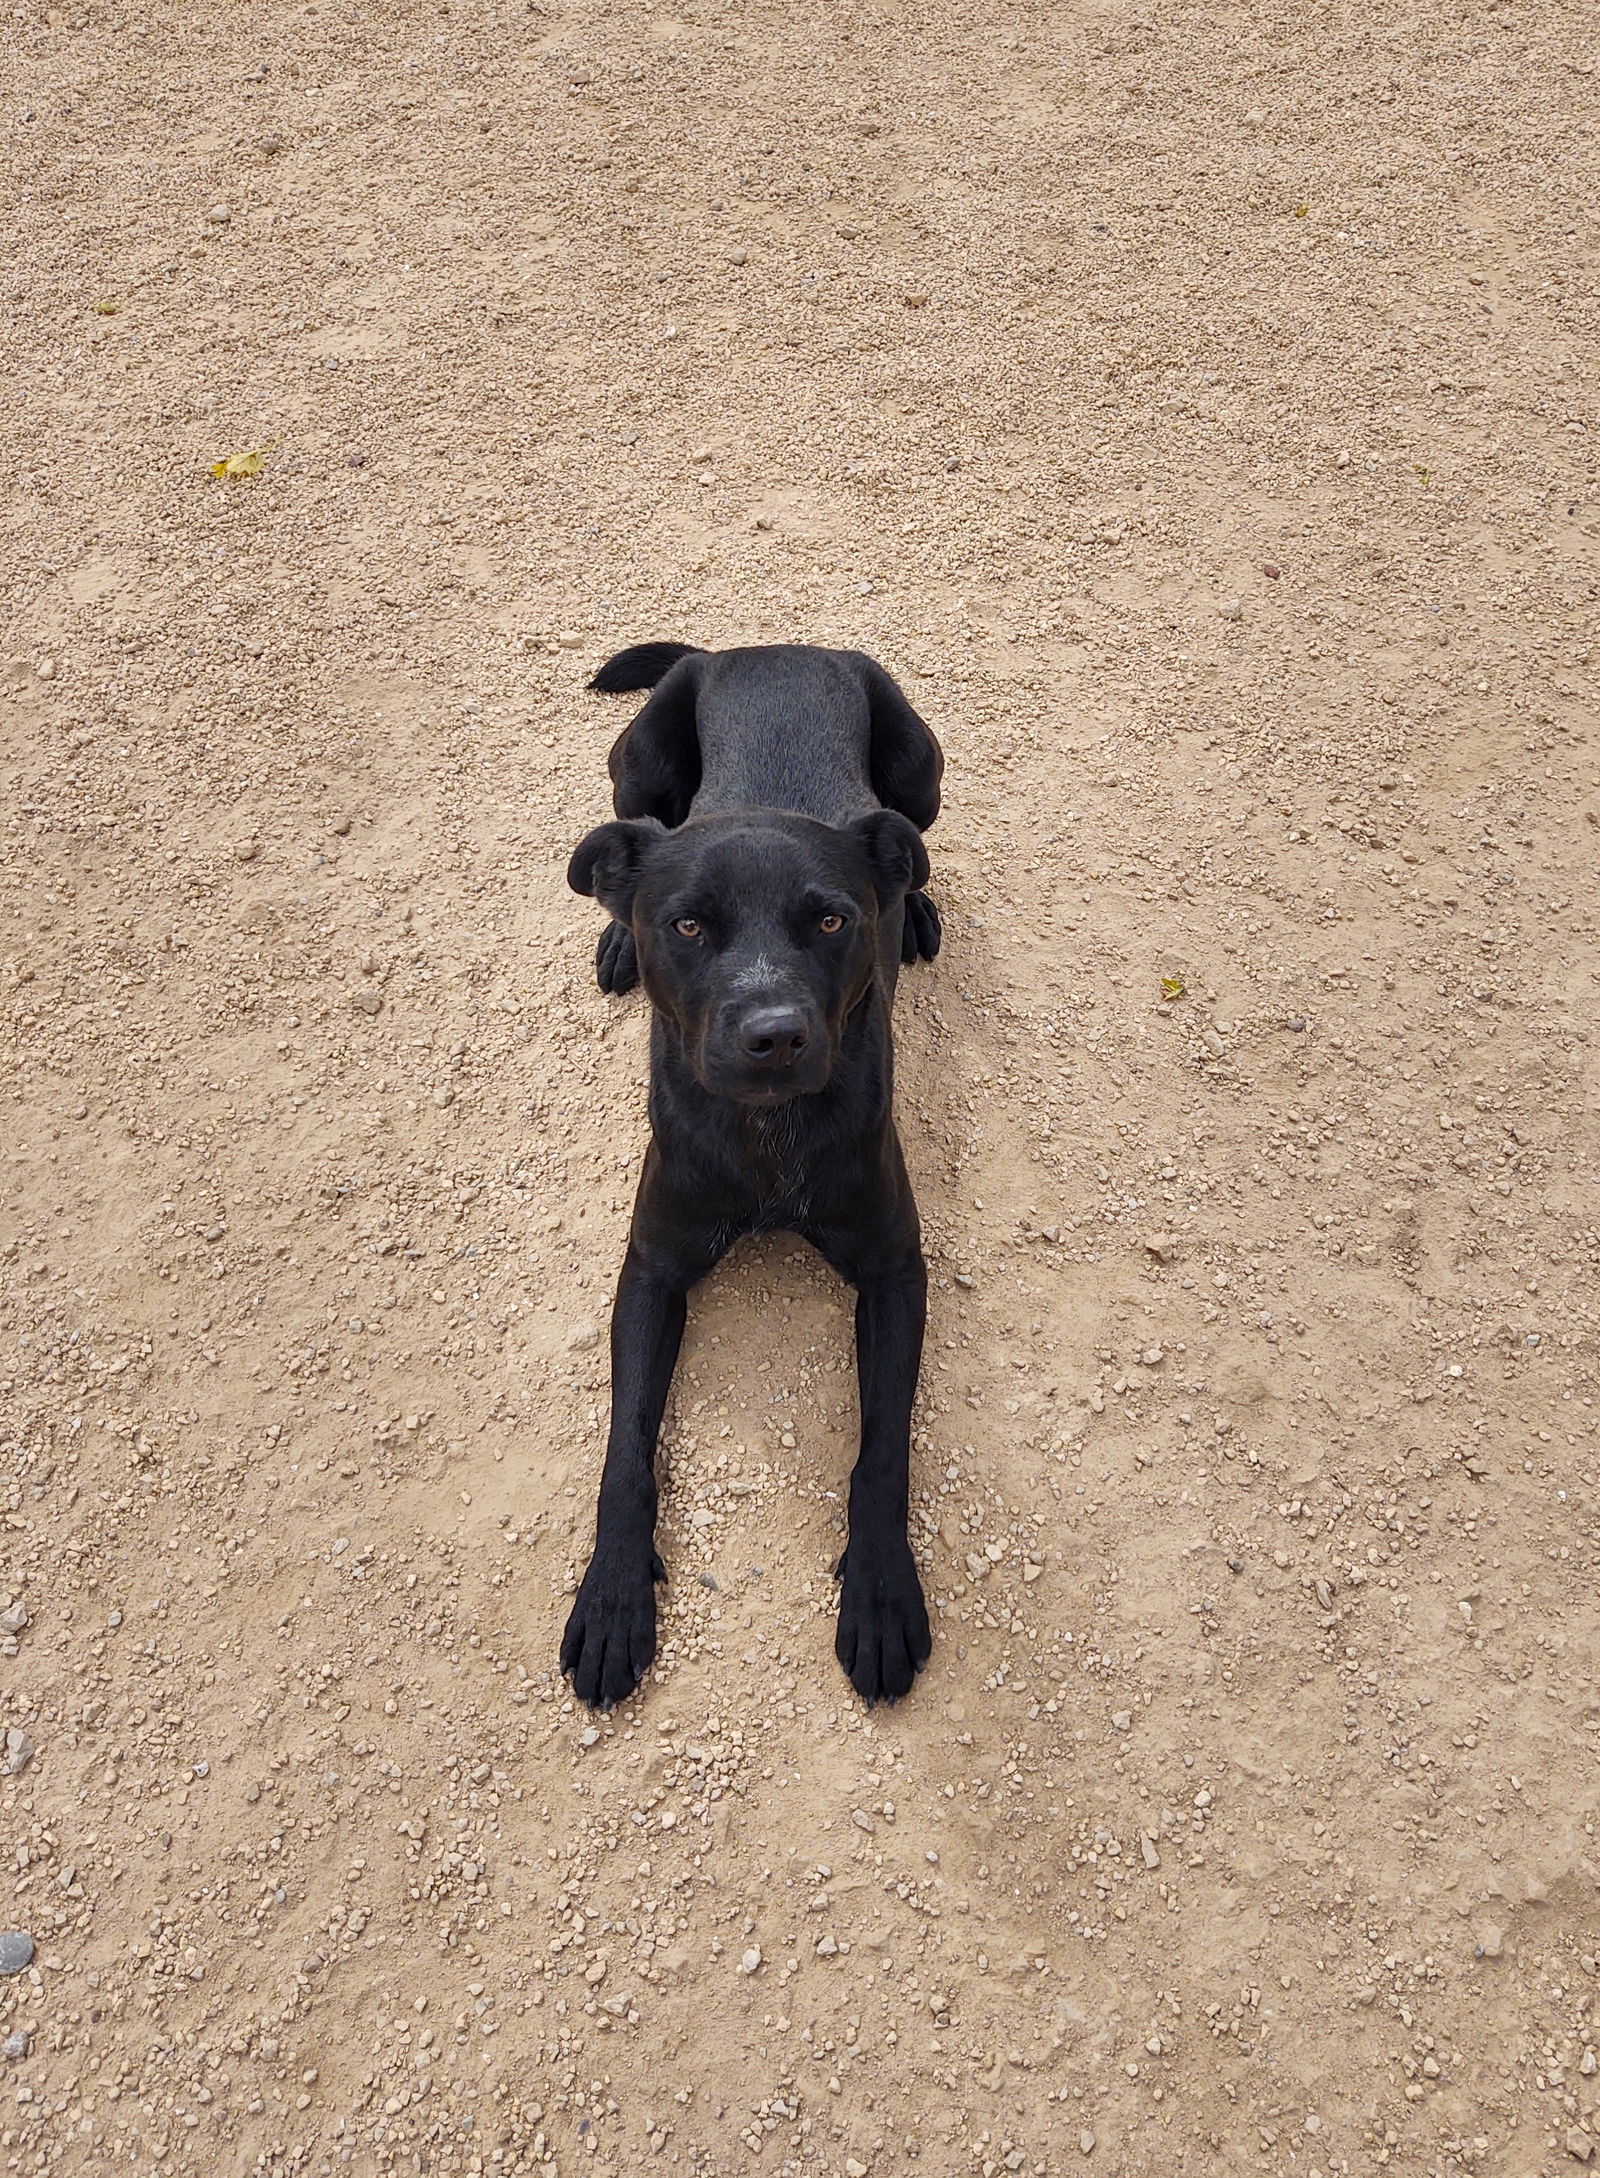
(606, 865)
(895, 853)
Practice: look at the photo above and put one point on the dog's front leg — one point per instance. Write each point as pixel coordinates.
(610, 1641)
(883, 1639)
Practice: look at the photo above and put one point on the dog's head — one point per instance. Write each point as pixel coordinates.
(756, 932)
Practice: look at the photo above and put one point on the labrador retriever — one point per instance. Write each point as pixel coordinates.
(764, 876)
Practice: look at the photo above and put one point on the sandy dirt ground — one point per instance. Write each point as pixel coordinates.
(1194, 407)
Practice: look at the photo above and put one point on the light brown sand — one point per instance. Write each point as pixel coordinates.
(1244, 1819)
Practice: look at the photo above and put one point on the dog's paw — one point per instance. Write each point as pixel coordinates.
(922, 930)
(616, 963)
(610, 1641)
(883, 1639)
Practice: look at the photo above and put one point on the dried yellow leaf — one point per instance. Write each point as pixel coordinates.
(236, 465)
(107, 308)
(1173, 987)
(1302, 211)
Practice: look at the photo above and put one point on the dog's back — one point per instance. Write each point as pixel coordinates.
(825, 733)
(786, 727)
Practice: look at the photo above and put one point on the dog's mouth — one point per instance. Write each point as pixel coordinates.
(764, 1096)
(759, 1090)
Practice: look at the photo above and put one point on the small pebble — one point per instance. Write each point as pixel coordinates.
(750, 1961)
(219, 215)
(1295, 1024)
(589, 1736)
(13, 1618)
(444, 1097)
(47, 669)
(20, 1751)
(246, 850)
(16, 1950)
(1086, 2141)
(15, 2045)
(1231, 608)
(1271, 570)
(339, 826)
(582, 1337)
(1491, 1941)
(369, 999)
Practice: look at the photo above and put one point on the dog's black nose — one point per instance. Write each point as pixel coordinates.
(773, 1036)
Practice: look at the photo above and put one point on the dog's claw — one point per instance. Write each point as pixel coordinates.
(922, 930)
(616, 962)
(883, 1639)
(610, 1639)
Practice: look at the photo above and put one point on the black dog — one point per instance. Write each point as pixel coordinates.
(765, 882)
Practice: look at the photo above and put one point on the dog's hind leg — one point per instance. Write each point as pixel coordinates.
(655, 768)
(920, 933)
(655, 760)
(616, 960)
(905, 759)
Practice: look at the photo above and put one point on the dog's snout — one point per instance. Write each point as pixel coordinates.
(774, 1035)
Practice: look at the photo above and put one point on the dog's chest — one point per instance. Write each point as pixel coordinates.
(771, 1179)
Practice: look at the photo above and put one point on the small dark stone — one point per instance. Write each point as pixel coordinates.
(16, 1950)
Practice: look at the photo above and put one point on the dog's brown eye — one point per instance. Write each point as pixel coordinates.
(830, 924)
(687, 927)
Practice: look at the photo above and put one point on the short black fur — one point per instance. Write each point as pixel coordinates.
(760, 879)
(671, 760)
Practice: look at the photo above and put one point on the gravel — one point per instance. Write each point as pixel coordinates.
(1161, 358)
